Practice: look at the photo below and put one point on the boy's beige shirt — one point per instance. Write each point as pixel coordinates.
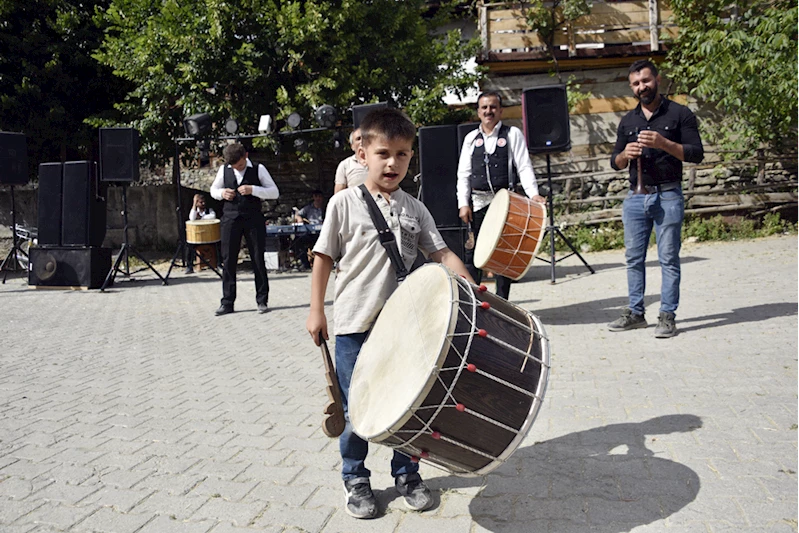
(365, 277)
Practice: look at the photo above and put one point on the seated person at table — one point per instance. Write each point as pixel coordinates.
(312, 213)
(198, 212)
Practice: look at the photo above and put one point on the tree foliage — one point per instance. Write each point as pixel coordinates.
(741, 58)
(547, 18)
(247, 58)
(49, 82)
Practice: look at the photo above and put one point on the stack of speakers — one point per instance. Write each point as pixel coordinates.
(72, 214)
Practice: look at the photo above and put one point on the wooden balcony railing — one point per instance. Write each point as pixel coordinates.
(641, 24)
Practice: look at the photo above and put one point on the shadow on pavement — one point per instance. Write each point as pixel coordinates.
(595, 312)
(604, 480)
(540, 270)
(755, 313)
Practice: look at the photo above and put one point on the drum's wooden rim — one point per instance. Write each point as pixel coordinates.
(207, 222)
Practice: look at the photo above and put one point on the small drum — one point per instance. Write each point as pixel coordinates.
(203, 231)
(450, 374)
(510, 235)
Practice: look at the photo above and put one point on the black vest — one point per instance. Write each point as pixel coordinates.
(500, 164)
(244, 205)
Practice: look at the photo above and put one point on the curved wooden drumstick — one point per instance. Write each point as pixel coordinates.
(333, 424)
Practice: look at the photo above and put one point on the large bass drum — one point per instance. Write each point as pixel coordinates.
(450, 374)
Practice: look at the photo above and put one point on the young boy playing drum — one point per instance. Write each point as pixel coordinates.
(365, 279)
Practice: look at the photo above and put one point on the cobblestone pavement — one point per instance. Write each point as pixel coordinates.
(136, 410)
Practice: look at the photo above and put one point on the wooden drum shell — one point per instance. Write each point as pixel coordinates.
(510, 235)
(203, 231)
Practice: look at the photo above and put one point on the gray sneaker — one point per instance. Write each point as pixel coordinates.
(360, 501)
(628, 320)
(412, 488)
(665, 327)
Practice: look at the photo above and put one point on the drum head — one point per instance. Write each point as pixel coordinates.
(398, 363)
(208, 222)
(491, 229)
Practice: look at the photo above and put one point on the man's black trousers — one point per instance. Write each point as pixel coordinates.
(252, 228)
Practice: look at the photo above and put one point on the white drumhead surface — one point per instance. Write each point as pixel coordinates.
(491, 229)
(397, 364)
(202, 222)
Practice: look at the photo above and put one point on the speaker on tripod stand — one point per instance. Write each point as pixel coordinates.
(119, 164)
(545, 112)
(13, 171)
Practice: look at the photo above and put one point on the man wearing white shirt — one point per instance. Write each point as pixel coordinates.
(351, 172)
(493, 157)
(198, 212)
(241, 187)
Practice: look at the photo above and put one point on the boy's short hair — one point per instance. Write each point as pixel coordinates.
(641, 64)
(317, 191)
(199, 196)
(490, 94)
(390, 123)
(233, 153)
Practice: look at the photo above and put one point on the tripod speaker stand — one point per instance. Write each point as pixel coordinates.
(552, 230)
(13, 258)
(127, 249)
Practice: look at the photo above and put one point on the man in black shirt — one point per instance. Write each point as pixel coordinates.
(661, 134)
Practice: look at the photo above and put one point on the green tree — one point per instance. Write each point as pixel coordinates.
(547, 19)
(247, 58)
(49, 83)
(741, 58)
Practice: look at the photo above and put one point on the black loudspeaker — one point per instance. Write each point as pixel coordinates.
(83, 216)
(49, 213)
(85, 267)
(438, 163)
(546, 119)
(359, 112)
(13, 158)
(119, 155)
(455, 238)
(463, 131)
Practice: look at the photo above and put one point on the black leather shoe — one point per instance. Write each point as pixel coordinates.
(262, 308)
(223, 310)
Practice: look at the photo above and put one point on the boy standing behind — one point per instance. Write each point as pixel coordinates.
(364, 281)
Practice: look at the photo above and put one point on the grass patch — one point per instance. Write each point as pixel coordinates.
(610, 236)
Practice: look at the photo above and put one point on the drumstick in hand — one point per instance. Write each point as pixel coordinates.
(333, 424)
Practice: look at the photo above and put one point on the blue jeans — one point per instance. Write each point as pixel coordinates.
(665, 210)
(353, 448)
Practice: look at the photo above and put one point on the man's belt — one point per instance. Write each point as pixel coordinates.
(662, 187)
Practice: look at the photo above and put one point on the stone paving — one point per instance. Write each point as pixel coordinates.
(138, 411)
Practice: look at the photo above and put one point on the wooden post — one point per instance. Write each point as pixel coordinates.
(570, 34)
(484, 30)
(761, 166)
(653, 25)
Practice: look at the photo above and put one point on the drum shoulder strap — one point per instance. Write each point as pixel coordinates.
(385, 234)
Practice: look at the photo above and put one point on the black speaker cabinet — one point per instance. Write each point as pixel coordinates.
(13, 158)
(546, 119)
(83, 216)
(49, 212)
(84, 268)
(438, 163)
(463, 131)
(359, 112)
(119, 155)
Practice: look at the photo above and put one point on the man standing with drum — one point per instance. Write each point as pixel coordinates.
(493, 157)
(658, 135)
(198, 212)
(242, 186)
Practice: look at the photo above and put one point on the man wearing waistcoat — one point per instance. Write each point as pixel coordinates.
(493, 157)
(241, 186)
